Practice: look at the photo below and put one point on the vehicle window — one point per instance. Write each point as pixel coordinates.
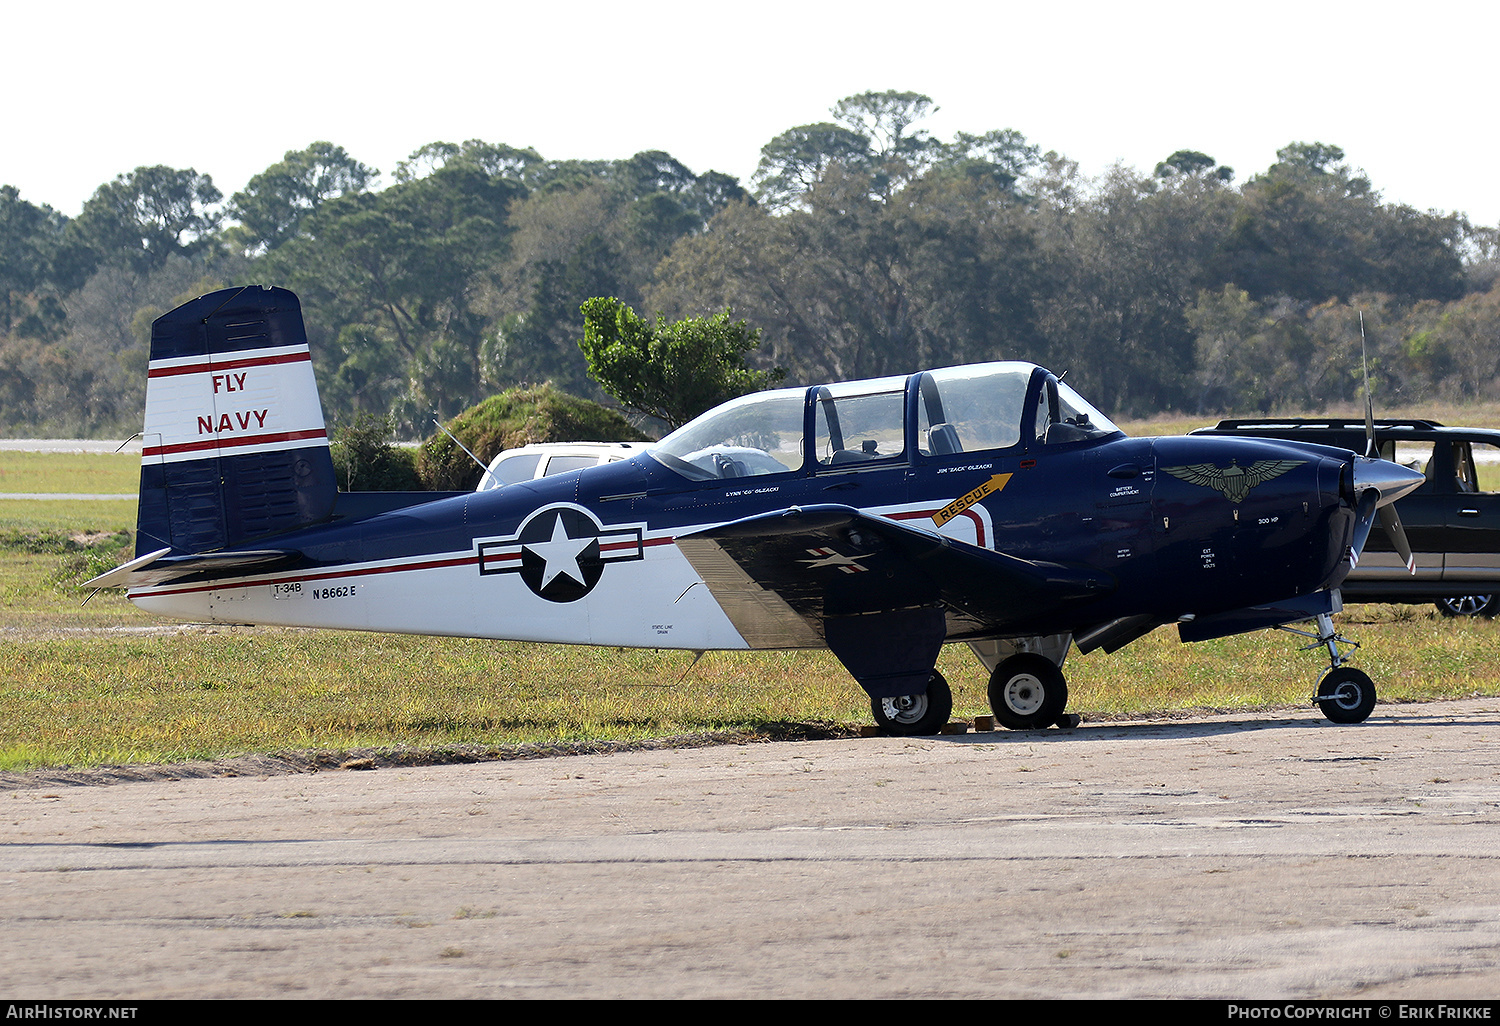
(1414, 454)
(563, 464)
(521, 467)
(966, 409)
(859, 428)
(1484, 463)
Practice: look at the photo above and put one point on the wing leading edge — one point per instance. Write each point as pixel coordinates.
(882, 595)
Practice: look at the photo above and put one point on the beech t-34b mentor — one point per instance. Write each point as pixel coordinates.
(988, 504)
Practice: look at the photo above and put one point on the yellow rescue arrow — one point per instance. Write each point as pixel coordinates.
(969, 498)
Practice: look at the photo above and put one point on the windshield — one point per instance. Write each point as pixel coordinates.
(750, 436)
(1062, 415)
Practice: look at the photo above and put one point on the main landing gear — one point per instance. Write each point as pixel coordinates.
(1028, 692)
(1345, 694)
(913, 715)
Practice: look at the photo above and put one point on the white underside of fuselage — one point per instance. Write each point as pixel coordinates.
(655, 602)
(655, 599)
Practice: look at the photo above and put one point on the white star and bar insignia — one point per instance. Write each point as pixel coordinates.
(560, 552)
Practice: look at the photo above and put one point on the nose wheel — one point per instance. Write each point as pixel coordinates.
(1345, 694)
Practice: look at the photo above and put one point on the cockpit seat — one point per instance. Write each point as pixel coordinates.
(727, 466)
(942, 440)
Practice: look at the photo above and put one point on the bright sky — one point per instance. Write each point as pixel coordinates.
(93, 91)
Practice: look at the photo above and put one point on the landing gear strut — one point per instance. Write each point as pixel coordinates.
(1345, 694)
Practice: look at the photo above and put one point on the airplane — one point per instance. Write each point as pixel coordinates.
(882, 519)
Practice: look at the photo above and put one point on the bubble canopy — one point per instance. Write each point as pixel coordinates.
(930, 415)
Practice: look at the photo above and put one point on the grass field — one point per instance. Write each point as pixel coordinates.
(102, 682)
(76, 472)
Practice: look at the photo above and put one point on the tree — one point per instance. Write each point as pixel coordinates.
(144, 217)
(1002, 154)
(884, 118)
(669, 371)
(1311, 228)
(28, 239)
(497, 160)
(364, 460)
(796, 160)
(1192, 162)
(405, 263)
(1123, 263)
(274, 203)
(595, 233)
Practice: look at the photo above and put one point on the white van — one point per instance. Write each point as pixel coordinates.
(544, 459)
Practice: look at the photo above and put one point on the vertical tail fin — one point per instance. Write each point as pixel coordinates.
(235, 446)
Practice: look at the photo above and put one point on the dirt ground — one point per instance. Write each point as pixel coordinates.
(1275, 856)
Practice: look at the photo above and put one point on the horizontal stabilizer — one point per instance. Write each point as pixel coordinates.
(158, 567)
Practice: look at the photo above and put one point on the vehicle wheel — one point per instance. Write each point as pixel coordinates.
(1468, 605)
(1028, 692)
(1346, 695)
(912, 715)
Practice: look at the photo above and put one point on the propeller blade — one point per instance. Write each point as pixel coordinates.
(1364, 519)
(1364, 364)
(1397, 534)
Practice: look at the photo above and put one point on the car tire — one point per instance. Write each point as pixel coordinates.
(1469, 605)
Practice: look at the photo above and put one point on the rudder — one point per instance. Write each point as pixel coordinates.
(235, 444)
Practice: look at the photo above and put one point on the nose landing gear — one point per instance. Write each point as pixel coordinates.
(1345, 694)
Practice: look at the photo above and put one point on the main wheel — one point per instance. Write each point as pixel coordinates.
(1028, 692)
(911, 715)
(1468, 605)
(1346, 695)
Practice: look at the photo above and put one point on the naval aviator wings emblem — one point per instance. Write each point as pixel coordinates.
(1234, 481)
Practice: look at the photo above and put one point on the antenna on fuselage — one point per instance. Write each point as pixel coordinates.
(465, 448)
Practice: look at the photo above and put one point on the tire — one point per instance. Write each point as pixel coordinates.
(1346, 695)
(1468, 605)
(914, 715)
(1028, 692)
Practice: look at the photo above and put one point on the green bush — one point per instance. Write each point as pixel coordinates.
(364, 460)
(515, 417)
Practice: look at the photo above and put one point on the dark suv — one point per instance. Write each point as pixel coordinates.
(1452, 521)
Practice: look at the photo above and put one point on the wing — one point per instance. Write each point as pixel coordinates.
(781, 577)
